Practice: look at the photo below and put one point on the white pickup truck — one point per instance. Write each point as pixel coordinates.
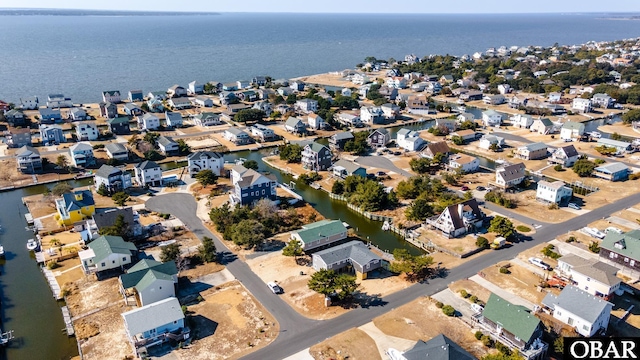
(593, 232)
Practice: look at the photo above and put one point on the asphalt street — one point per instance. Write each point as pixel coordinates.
(382, 163)
(298, 333)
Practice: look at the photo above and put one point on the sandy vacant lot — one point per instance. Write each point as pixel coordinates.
(352, 344)
(520, 281)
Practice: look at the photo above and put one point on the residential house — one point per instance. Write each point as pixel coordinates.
(603, 101)
(388, 92)
(154, 324)
(207, 119)
(620, 146)
(571, 130)
(493, 99)
(117, 151)
(243, 84)
(614, 171)
(371, 115)
(132, 109)
(106, 253)
(533, 151)
(438, 348)
(542, 126)
(510, 175)
(581, 105)
(250, 186)
(15, 117)
(148, 173)
(52, 135)
(18, 137)
(348, 119)
(263, 133)
(180, 103)
(176, 91)
(622, 251)
(491, 118)
(446, 79)
(157, 95)
(106, 219)
(295, 125)
(148, 121)
(459, 219)
(360, 79)
(77, 114)
(113, 178)
(230, 87)
(504, 89)
(173, 119)
(297, 85)
(284, 91)
(343, 168)
(203, 100)
(119, 126)
(48, 116)
(237, 136)
(108, 110)
(112, 96)
(434, 148)
(87, 131)
(514, 326)
(464, 117)
(263, 94)
(168, 146)
(467, 164)
(321, 233)
(396, 82)
(593, 276)
(195, 88)
(306, 105)
(149, 281)
(521, 121)
(487, 141)
(155, 105)
(135, 95)
(390, 111)
(82, 154)
(29, 160)
(337, 141)
(565, 156)
(448, 125)
(315, 121)
(259, 80)
(29, 103)
(379, 138)
(353, 254)
(471, 95)
(58, 101)
(346, 92)
(316, 157)
(553, 192)
(234, 108)
(74, 207)
(205, 160)
(263, 106)
(587, 314)
(515, 102)
(409, 140)
(554, 97)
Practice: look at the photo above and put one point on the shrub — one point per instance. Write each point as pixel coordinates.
(523, 228)
(599, 161)
(570, 239)
(548, 252)
(448, 310)
(486, 341)
(634, 176)
(553, 206)
(464, 293)
(558, 167)
(473, 299)
(53, 265)
(504, 270)
(594, 247)
(478, 335)
(439, 305)
(482, 242)
(503, 348)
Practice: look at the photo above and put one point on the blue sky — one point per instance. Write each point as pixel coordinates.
(341, 6)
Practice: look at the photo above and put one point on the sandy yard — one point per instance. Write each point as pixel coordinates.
(230, 145)
(520, 281)
(352, 344)
(631, 327)
(472, 288)
(228, 324)
(40, 205)
(89, 294)
(107, 338)
(460, 245)
(202, 142)
(528, 206)
(201, 270)
(329, 79)
(536, 251)
(422, 320)
(620, 128)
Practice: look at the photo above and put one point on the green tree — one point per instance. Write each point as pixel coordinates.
(502, 226)
(457, 140)
(439, 158)
(62, 162)
(415, 267)
(61, 188)
(206, 177)
(152, 138)
(631, 116)
(291, 99)
(419, 210)
(448, 310)
(170, 252)
(594, 247)
(583, 167)
(152, 155)
(606, 150)
(420, 165)
(558, 167)
(293, 248)
(118, 228)
(249, 115)
(616, 136)
(120, 198)
(292, 153)
(248, 233)
(327, 282)
(482, 242)
(207, 251)
(337, 187)
(494, 147)
(183, 147)
(250, 164)
(358, 145)
(102, 190)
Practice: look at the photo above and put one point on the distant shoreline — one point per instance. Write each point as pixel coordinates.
(86, 12)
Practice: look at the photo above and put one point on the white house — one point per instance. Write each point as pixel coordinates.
(371, 115)
(149, 281)
(465, 116)
(306, 105)
(487, 140)
(117, 151)
(510, 175)
(173, 119)
(82, 154)
(602, 100)
(148, 121)
(504, 89)
(106, 253)
(458, 219)
(236, 136)
(553, 192)
(168, 146)
(348, 119)
(554, 97)
(112, 96)
(464, 162)
(87, 131)
(203, 100)
(571, 130)
(565, 156)
(148, 173)
(409, 140)
(205, 160)
(390, 111)
(593, 276)
(29, 103)
(195, 88)
(521, 121)
(207, 119)
(587, 314)
(262, 132)
(315, 121)
(112, 178)
(491, 118)
(346, 92)
(581, 105)
(493, 99)
(542, 126)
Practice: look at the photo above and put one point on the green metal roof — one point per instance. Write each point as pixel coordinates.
(106, 245)
(321, 229)
(628, 244)
(573, 125)
(317, 147)
(150, 277)
(136, 276)
(515, 319)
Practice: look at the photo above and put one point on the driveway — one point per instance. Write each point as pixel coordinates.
(381, 162)
(461, 305)
(514, 299)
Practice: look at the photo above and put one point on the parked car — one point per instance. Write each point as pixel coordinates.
(568, 140)
(477, 308)
(574, 206)
(612, 229)
(275, 288)
(539, 263)
(464, 188)
(381, 173)
(481, 188)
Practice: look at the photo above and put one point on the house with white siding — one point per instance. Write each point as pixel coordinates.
(587, 314)
(553, 192)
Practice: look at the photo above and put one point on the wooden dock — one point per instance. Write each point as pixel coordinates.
(39, 257)
(53, 283)
(67, 321)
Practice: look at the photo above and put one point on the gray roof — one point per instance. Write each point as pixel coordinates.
(153, 316)
(438, 348)
(536, 146)
(615, 143)
(131, 106)
(354, 251)
(204, 155)
(115, 148)
(106, 170)
(345, 135)
(146, 165)
(165, 140)
(577, 302)
(248, 176)
(596, 270)
(107, 218)
(403, 131)
(573, 125)
(235, 131)
(512, 172)
(82, 146)
(612, 168)
(173, 116)
(570, 150)
(350, 166)
(27, 151)
(293, 121)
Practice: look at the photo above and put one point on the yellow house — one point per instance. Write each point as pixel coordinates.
(74, 207)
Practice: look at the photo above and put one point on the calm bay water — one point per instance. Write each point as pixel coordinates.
(81, 56)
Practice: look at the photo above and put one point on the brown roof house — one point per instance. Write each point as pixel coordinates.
(456, 220)
(510, 175)
(436, 147)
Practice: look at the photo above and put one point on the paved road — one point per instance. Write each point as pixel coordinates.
(298, 333)
(382, 163)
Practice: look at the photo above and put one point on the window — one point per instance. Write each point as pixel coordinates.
(262, 192)
(586, 288)
(626, 259)
(113, 261)
(559, 313)
(611, 255)
(585, 327)
(570, 321)
(103, 264)
(124, 258)
(632, 263)
(588, 279)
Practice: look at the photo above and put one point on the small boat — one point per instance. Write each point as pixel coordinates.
(32, 244)
(461, 109)
(595, 135)
(1, 251)
(386, 226)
